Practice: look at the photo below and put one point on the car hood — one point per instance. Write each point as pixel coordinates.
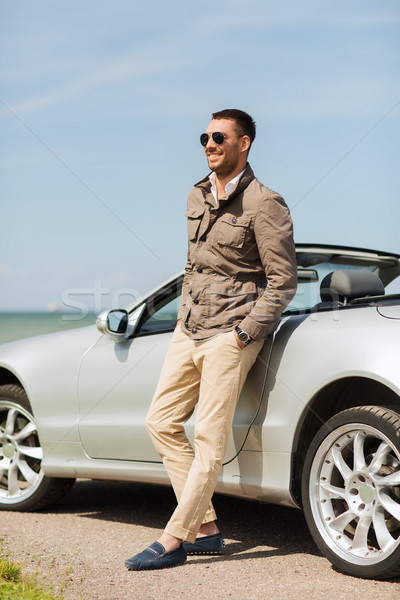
(21, 356)
(89, 332)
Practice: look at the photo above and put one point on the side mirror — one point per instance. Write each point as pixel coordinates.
(118, 323)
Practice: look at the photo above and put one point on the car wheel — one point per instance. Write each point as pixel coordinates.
(23, 485)
(351, 491)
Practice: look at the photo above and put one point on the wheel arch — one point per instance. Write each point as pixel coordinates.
(347, 392)
(7, 377)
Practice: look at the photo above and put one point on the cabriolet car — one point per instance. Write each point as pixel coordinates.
(317, 425)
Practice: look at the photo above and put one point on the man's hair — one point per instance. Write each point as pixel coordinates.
(244, 122)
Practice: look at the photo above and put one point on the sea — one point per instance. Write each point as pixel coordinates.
(18, 325)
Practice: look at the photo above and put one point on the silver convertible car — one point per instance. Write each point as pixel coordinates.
(317, 425)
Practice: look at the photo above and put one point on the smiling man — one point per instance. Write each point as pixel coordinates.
(240, 275)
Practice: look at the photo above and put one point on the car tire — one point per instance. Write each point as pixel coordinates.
(351, 491)
(23, 485)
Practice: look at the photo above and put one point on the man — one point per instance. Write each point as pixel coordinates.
(240, 275)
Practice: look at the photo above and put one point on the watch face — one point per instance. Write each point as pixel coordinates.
(243, 336)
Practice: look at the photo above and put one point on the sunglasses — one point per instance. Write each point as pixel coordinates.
(217, 137)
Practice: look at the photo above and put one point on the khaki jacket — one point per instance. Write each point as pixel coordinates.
(241, 265)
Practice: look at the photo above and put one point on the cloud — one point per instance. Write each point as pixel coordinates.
(153, 58)
(199, 47)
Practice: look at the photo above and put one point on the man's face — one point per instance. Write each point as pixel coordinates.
(224, 158)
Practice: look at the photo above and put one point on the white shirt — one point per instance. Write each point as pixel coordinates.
(228, 188)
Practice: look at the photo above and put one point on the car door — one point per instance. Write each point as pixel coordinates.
(117, 381)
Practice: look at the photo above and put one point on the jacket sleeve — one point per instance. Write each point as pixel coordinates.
(273, 230)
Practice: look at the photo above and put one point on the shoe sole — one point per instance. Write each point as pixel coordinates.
(210, 553)
(152, 568)
(218, 553)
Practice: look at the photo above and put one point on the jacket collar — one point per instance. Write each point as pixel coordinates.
(205, 186)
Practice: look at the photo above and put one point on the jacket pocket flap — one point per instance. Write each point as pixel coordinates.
(194, 212)
(232, 230)
(242, 221)
(194, 215)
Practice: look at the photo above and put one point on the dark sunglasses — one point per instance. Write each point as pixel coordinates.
(217, 137)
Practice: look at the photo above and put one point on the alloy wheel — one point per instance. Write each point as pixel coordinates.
(20, 454)
(351, 491)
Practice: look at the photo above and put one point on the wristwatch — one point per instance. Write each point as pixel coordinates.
(243, 336)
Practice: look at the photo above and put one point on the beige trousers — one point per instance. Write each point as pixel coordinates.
(210, 374)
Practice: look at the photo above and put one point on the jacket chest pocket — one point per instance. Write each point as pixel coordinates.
(232, 230)
(194, 218)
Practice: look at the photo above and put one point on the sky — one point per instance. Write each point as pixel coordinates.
(101, 108)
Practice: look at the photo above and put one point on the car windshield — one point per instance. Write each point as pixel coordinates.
(313, 262)
(313, 266)
(308, 289)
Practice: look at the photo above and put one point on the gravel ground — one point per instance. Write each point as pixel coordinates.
(79, 546)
